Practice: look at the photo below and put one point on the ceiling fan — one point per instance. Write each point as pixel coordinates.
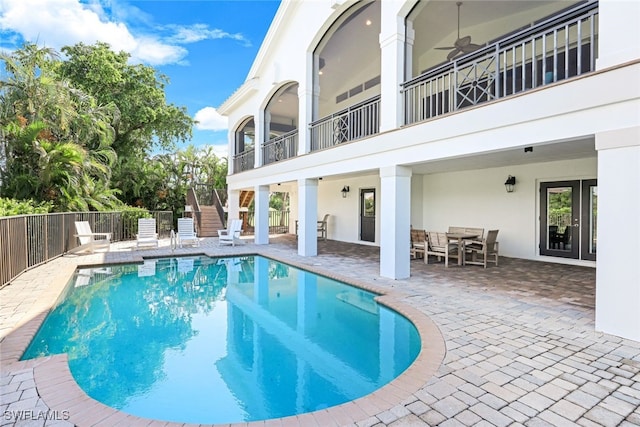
(462, 44)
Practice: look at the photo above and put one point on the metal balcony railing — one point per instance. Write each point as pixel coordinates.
(244, 161)
(355, 122)
(546, 52)
(280, 148)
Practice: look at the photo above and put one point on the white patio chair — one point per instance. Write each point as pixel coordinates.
(89, 240)
(186, 232)
(147, 235)
(231, 234)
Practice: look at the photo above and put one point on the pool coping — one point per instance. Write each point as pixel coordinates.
(59, 391)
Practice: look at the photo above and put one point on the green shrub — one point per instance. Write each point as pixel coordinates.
(12, 207)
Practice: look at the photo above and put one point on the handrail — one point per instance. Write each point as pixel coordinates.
(536, 28)
(551, 50)
(218, 204)
(352, 123)
(281, 147)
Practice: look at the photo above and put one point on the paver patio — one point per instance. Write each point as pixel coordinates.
(520, 343)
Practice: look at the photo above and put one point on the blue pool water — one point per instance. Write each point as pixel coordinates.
(204, 340)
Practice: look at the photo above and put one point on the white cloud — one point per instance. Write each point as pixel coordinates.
(198, 32)
(208, 118)
(57, 23)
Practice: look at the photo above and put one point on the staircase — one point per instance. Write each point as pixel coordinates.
(246, 197)
(209, 222)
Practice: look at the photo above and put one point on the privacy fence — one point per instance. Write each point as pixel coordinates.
(27, 241)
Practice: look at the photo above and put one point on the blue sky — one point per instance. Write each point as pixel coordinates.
(205, 47)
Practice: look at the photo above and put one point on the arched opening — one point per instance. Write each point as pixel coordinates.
(281, 125)
(244, 146)
(347, 78)
(460, 54)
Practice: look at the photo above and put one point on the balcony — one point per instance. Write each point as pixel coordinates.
(544, 53)
(244, 161)
(356, 122)
(280, 148)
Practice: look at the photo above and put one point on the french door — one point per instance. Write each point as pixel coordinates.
(368, 215)
(568, 212)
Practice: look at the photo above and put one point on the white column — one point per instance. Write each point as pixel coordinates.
(305, 108)
(618, 24)
(258, 120)
(395, 185)
(262, 215)
(233, 204)
(392, 68)
(307, 217)
(231, 149)
(618, 250)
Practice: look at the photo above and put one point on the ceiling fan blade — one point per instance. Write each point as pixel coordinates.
(470, 47)
(445, 48)
(463, 41)
(453, 54)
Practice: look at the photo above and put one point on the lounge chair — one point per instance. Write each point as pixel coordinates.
(89, 240)
(147, 235)
(186, 232)
(486, 248)
(440, 246)
(231, 234)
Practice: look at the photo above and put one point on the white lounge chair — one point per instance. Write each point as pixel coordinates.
(89, 240)
(231, 234)
(186, 232)
(147, 235)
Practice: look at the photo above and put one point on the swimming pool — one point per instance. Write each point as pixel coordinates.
(205, 340)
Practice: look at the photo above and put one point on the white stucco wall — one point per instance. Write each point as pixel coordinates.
(344, 222)
(478, 198)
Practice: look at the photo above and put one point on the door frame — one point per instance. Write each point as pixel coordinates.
(580, 220)
(362, 231)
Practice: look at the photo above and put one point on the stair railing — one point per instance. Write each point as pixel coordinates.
(219, 202)
(192, 200)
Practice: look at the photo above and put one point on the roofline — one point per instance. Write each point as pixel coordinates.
(250, 85)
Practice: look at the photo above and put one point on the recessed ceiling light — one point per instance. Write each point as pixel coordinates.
(368, 22)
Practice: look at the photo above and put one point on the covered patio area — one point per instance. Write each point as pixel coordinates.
(521, 346)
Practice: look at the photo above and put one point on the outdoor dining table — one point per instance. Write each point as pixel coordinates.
(461, 237)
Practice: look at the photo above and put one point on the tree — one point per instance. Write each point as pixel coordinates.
(56, 138)
(147, 121)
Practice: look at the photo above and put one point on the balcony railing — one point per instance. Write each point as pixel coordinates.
(244, 161)
(280, 148)
(546, 52)
(353, 123)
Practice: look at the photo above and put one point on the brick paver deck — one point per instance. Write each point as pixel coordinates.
(521, 348)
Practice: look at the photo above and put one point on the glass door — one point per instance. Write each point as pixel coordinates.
(568, 212)
(368, 215)
(560, 219)
(589, 217)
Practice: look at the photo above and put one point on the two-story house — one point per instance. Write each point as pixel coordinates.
(395, 114)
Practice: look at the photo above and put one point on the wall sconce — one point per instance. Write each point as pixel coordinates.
(510, 183)
(345, 190)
